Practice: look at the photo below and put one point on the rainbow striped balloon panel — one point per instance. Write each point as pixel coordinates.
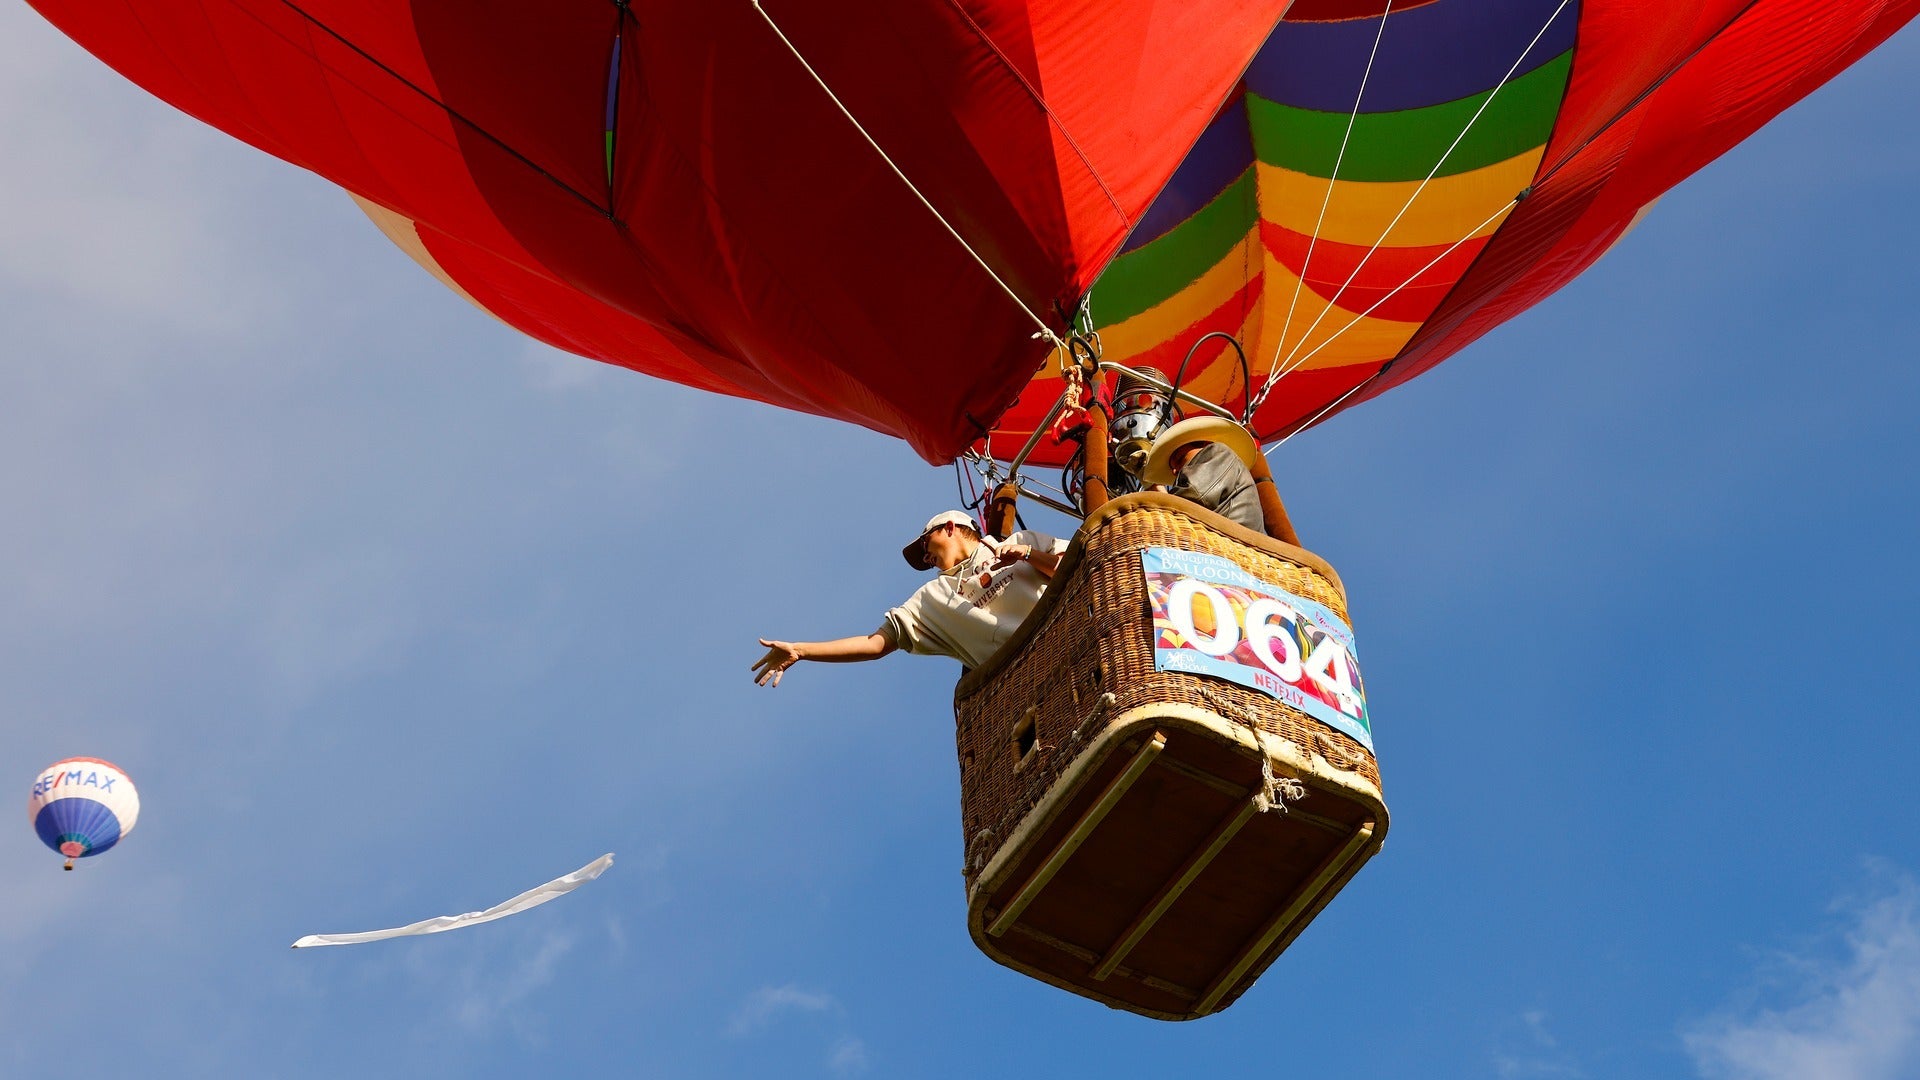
(1328, 210)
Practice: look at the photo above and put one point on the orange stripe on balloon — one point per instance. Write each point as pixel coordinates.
(1205, 377)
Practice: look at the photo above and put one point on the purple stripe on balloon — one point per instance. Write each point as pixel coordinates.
(613, 83)
(1441, 52)
(1222, 155)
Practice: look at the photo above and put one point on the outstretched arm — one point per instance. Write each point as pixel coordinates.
(782, 655)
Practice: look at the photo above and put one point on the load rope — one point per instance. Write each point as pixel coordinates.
(1275, 791)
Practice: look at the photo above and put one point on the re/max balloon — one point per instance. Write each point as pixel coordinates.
(82, 806)
(1354, 188)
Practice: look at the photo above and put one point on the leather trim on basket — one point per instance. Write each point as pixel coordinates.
(1070, 564)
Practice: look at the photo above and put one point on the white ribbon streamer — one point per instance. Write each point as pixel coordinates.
(532, 898)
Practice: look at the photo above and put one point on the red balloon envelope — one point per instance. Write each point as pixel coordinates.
(665, 186)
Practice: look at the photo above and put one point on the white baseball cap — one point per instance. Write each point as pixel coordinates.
(916, 555)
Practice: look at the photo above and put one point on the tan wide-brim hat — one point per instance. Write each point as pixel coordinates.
(1159, 466)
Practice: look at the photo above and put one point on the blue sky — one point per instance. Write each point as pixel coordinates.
(391, 613)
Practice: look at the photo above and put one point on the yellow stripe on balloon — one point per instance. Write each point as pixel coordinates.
(1449, 209)
(1168, 318)
(1356, 339)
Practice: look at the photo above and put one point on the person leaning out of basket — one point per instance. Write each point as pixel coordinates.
(984, 590)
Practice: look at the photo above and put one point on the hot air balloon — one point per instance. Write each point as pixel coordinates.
(82, 806)
(960, 222)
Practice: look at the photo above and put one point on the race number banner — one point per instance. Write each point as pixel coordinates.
(1212, 618)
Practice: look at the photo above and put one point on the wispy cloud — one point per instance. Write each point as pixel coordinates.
(489, 997)
(846, 1054)
(1851, 1017)
(849, 1057)
(768, 1002)
(1536, 1054)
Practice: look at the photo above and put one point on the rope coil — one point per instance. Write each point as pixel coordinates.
(1275, 791)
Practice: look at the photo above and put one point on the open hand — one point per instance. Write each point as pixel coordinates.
(781, 655)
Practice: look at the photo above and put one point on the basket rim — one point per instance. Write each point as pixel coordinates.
(972, 681)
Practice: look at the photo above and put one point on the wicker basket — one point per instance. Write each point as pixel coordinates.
(1119, 842)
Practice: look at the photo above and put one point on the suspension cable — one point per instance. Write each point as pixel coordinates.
(1327, 199)
(1330, 406)
(1046, 331)
(1375, 306)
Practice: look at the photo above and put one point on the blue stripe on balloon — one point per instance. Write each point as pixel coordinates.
(1443, 51)
(77, 817)
(613, 84)
(1222, 155)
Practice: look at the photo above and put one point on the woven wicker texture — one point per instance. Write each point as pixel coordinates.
(1093, 635)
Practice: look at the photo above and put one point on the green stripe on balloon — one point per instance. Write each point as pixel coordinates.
(1153, 273)
(1398, 146)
